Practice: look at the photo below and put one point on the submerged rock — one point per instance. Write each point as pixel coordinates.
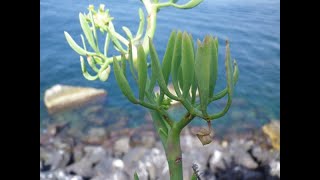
(272, 130)
(84, 167)
(121, 146)
(61, 97)
(144, 138)
(95, 136)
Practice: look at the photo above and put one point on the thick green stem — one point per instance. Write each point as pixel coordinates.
(174, 154)
(171, 144)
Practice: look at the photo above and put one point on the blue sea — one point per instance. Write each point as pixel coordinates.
(251, 26)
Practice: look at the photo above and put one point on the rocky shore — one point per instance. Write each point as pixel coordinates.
(105, 154)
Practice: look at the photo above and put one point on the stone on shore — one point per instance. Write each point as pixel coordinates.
(61, 97)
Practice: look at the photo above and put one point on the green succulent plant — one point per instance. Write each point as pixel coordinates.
(190, 68)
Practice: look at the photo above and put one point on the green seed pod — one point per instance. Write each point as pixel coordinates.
(229, 69)
(202, 71)
(74, 45)
(87, 32)
(176, 59)
(213, 66)
(187, 64)
(189, 5)
(122, 82)
(142, 72)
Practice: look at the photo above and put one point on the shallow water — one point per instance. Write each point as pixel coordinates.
(252, 27)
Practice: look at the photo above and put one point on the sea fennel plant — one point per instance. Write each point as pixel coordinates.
(190, 69)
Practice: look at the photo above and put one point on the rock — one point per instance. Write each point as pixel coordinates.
(216, 160)
(121, 146)
(263, 155)
(96, 136)
(156, 164)
(118, 175)
(133, 156)
(275, 168)
(59, 175)
(237, 115)
(189, 142)
(92, 110)
(78, 153)
(143, 138)
(239, 173)
(55, 129)
(53, 159)
(108, 165)
(61, 97)
(151, 164)
(85, 166)
(239, 150)
(272, 131)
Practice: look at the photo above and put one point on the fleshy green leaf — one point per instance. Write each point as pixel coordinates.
(104, 71)
(229, 70)
(176, 59)
(190, 4)
(92, 63)
(194, 82)
(180, 78)
(123, 65)
(127, 31)
(202, 71)
(104, 74)
(156, 68)
(122, 82)
(235, 72)
(87, 32)
(131, 65)
(142, 71)
(141, 25)
(74, 45)
(166, 62)
(85, 72)
(213, 66)
(106, 45)
(187, 64)
(136, 177)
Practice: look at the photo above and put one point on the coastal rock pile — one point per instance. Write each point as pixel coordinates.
(66, 157)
